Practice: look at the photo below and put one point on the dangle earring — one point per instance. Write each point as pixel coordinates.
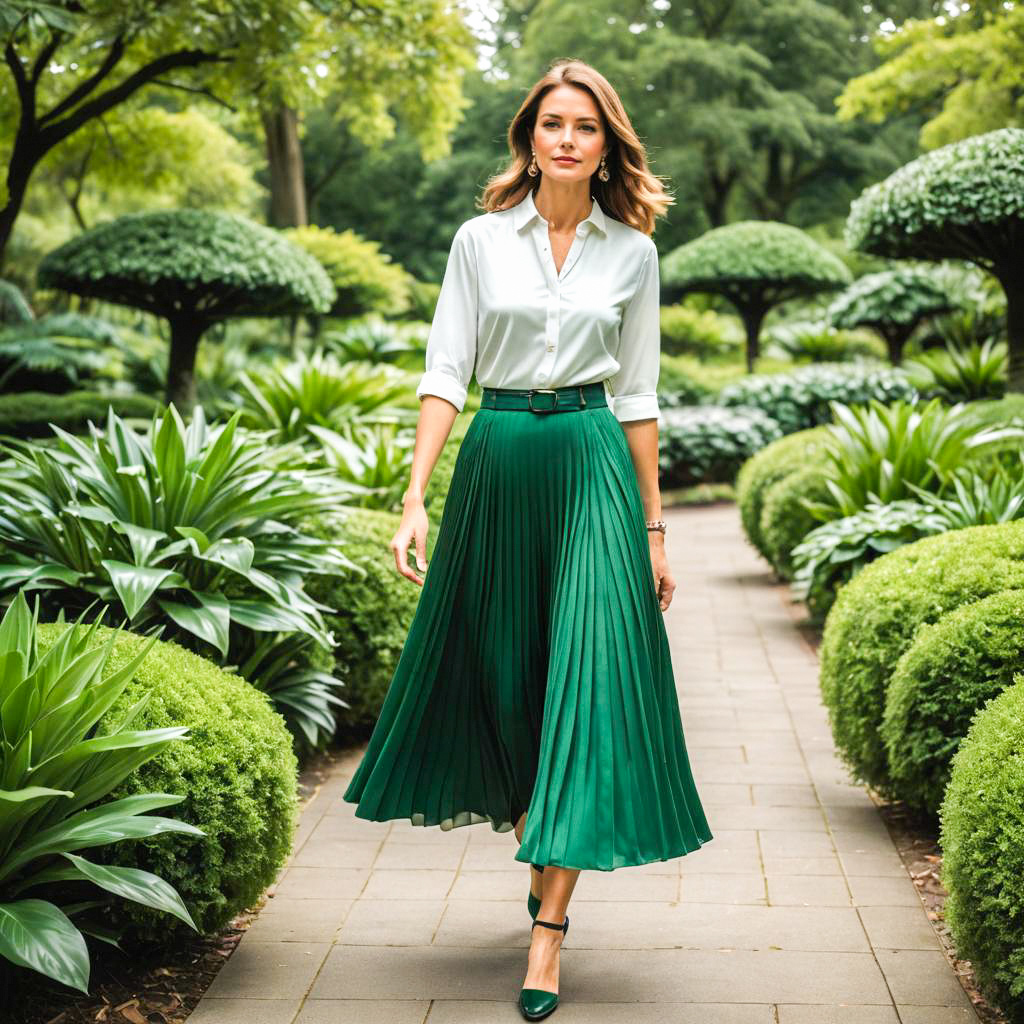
(602, 170)
(532, 168)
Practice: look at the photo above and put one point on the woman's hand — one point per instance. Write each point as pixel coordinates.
(413, 527)
(664, 581)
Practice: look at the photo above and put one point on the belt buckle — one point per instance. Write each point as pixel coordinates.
(544, 391)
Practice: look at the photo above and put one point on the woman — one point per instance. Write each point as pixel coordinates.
(535, 688)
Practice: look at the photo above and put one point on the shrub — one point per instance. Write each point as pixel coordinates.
(952, 668)
(786, 519)
(51, 703)
(33, 414)
(764, 468)
(876, 614)
(701, 333)
(800, 398)
(237, 773)
(982, 840)
(706, 443)
(832, 553)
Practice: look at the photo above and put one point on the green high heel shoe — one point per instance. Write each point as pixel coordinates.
(538, 1003)
(533, 902)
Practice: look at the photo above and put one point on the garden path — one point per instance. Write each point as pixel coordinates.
(800, 910)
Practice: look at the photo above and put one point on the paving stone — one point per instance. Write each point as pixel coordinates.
(244, 1011)
(269, 970)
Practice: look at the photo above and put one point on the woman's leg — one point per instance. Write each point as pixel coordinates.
(536, 878)
(545, 943)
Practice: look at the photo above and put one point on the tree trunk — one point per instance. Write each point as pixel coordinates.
(287, 180)
(753, 316)
(895, 340)
(186, 333)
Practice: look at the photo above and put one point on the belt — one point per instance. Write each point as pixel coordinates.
(576, 396)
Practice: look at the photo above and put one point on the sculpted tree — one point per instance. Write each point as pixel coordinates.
(964, 201)
(755, 265)
(195, 268)
(893, 303)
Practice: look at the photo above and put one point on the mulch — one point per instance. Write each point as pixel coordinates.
(156, 987)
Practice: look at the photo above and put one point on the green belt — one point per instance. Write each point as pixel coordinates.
(576, 396)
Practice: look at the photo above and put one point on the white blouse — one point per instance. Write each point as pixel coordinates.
(504, 311)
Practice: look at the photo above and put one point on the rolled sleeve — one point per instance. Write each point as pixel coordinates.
(635, 384)
(452, 340)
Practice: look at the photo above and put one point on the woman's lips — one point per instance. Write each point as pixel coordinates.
(566, 160)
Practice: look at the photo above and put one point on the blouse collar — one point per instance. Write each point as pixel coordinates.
(525, 211)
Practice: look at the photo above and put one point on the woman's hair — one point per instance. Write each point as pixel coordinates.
(632, 194)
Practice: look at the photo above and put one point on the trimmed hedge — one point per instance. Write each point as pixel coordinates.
(982, 840)
(28, 414)
(236, 770)
(785, 521)
(876, 615)
(952, 668)
(766, 467)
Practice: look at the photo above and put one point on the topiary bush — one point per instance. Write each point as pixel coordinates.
(982, 839)
(952, 668)
(764, 468)
(237, 772)
(876, 615)
(706, 443)
(800, 399)
(785, 518)
(28, 414)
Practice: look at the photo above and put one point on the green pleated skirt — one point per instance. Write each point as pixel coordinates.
(536, 673)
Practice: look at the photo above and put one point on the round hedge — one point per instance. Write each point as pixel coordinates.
(235, 768)
(375, 611)
(876, 615)
(952, 668)
(785, 522)
(982, 840)
(764, 468)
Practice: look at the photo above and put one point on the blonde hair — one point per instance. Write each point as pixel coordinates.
(632, 193)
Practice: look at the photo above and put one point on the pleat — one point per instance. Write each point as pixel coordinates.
(536, 674)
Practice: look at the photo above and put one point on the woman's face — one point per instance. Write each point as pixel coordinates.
(568, 125)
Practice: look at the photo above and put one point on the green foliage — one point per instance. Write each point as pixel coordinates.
(961, 374)
(364, 277)
(772, 463)
(751, 257)
(876, 614)
(14, 308)
(833, 552)
(59, 771)
(708, 443)
(972, 499)
(376, 609)
(31, 413)
(952, 668)
(803, 398)
(374, 340)
(876, 452)
(889, 298)
(701, 333)
(237, 774)
(982, 845)
(955, 202)
(193, 529)
(190, 263)
(786, 518)
(816, 342)
(60, 350)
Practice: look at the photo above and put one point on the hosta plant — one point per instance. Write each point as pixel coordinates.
(197, 529)
(56, 768)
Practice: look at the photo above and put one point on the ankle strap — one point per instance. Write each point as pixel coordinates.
(548, 924)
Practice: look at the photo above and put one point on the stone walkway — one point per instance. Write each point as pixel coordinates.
(798, 912)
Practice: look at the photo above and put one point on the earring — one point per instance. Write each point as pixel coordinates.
(602, 170)
(532, 168)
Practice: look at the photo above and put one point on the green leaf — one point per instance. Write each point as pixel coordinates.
(210, 621)
(38, 935)
(136, 584)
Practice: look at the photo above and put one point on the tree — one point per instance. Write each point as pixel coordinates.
(891, 302)
(964, 70)
(964, 201)
(755, 265)
(195, 269)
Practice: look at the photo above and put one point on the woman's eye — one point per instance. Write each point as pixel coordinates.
(554, 124)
